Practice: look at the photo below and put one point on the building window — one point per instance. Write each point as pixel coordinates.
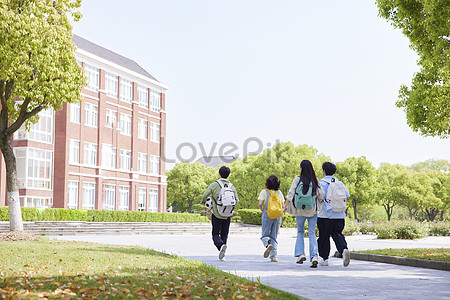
(124, 195)
(42, 131)
(142, 162)
(92, 75)
(110, 196)
(153, 200)
(72, 202)
(155, 101)
(142, 96)
(74, 151)
(90, 154)
(90, 114)
(154, 165)
(111, 85)
(126, 90)
(111, 118)
(125, 159)
(109, 156)
(88, 195)
(34, 168)
(142, 199)
(154, 132)
(125, 124)
(39, 202)
(143, 129)
(75, 112)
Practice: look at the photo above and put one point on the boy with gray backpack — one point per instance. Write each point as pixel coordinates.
(224, 198)
(331, 217)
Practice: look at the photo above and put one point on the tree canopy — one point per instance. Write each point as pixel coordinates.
(38, 70)
(427, 25)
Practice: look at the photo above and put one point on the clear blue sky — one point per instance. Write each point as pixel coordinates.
(323, 74)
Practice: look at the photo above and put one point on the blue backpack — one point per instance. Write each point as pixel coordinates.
(301, 201)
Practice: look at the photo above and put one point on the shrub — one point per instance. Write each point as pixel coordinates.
(440, 228)
(350, 228)
(60, 214)
(368, 228)
(403, 230)
(250, 216)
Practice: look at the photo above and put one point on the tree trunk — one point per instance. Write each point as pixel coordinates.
(354, 209)
(15, 214)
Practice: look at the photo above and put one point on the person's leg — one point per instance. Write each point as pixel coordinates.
(225, 228)
(312, 221)
(266, 229)
(216, 227)
(275, 227)
(300, 243)
(338, 226)
(324, 237)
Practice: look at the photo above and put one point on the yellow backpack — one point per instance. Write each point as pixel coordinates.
(274, 207)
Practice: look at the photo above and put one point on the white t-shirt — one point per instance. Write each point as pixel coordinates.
(263, 195)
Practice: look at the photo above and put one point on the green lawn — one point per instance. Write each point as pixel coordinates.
(440, 254)
(74, 270)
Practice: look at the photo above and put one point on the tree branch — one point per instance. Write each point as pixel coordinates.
(25, 116)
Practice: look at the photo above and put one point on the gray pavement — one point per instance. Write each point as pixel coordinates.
(361, 279)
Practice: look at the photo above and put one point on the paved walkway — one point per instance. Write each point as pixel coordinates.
(361, 279)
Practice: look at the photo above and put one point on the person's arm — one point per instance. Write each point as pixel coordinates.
(291, 193)
(262, 199)
(207, 193)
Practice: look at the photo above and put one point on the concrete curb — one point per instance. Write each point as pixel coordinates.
(412, 262)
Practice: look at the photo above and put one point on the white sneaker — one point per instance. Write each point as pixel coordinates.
(323, 262)
(314, 262)
(268, 250)
(222, 251)
(301, 259)
(346, 257)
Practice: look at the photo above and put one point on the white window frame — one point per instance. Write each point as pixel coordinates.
(90, 114)
(124, 198)
(75, 112)
(142, 162)
(109, 156)
(111, 118)
(34, 168)
(111, 84)
(92, 74)
(125, 159)
(125, 124)
(90, 154)
(142, 200)
(142, 129)
(38, 202)
(153, 200)
(42, 131)
(110, 197)
(72, 198)
(155, 132)
(154, 165)
(126, 90)
(142, 96)
(88, 195)
(74, 151)
(155, 101)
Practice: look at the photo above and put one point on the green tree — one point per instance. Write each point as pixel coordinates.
(441, 165)
(37, 66)
(427, 25)
(439, 187)
(186, 183)
(358, 175)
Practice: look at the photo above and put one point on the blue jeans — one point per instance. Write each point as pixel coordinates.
(300, 243)
(270, 228)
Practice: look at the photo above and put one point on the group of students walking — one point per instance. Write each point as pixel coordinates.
(308, 199)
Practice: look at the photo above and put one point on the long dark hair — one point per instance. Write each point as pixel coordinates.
(308, 176)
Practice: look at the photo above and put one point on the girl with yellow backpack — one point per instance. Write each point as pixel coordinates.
(271, 201)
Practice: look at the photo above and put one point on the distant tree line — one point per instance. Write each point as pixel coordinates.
(420, 191)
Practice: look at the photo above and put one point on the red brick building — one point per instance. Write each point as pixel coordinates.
(103, 153)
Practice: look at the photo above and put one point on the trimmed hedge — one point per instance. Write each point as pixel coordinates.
(61, 214)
